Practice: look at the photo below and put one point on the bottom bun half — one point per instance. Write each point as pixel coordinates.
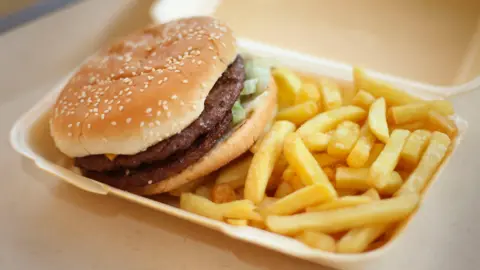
(240, 141)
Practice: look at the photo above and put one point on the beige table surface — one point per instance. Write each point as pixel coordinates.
(46, 224)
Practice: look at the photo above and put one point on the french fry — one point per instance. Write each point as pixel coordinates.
(204, 191)
(325, 160)
(348, 93)
(358, 179)
(363, 99)
(411, 126)
(288, 174)
(223, 193)
(341, 202)
(377, 120)
(414, 147)
(241, 209)
(304, 164)
(200, 205)
(299, 113)
(317, 240)
(288, 84)
(234, 174)
(441, 123)
(409, 113)
(264, 161)
(392, 95)
(237, 222)
(360, 153)
(283, 189)
(307, 92)
(374, 153)
(299, 200)
(358, 239)
(331, 96)
(317, 142)
(430, 161)
(388, 159)
(443, 107)
(260, 224)
(326, 121)
(343, 139)
(375, 212)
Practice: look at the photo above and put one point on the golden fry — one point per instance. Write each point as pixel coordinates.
(363, 99)
(375, 212)
(431, 160)
(341, 202)
(288, 84)
(441, 123)
(330, 172)
(331, 96)
(360, 153)
(317, 142)
(264, 161)
(343, 139)
(299, 113)
(443, 107)
(392, 95)
(413, 149)
(317, 240)
(326, 121)
(200, 205)
(304, 164)
(376, 150)
(307, 92)
(388, 159)
(409, 113)
(299, 200)
(411, 126)
(357, 179)
(204, 191)
(377, 120)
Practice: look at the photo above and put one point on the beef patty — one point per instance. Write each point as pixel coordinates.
(218, 103)
(151, 173)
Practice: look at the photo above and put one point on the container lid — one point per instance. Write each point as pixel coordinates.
(437, 47)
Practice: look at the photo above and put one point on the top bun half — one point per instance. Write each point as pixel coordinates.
(143, 89)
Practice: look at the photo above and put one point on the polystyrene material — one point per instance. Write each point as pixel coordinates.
(31, 138)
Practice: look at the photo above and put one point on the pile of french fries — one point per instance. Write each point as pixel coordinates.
(339, 169)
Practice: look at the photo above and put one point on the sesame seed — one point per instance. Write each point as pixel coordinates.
(169, 114)
(148, 110)
(151, 124)
(214, 57)
(102, 116)
(78, 124)
(160, 82)
(142, 124)
(159, 113)
(141, 90)
(113, 123)
(89, 126)
(157, 123)
(185, 81)
(150, 182)
(165, 79)
(150, 78)
(69, 125)
(120, 108)
(174, 97)
(70, 134)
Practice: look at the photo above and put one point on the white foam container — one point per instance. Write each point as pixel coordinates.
(30, 137)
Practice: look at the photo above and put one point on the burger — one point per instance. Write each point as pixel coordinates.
(164, 106)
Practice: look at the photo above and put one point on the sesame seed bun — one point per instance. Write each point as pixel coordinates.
(143, 89)
(242, 138)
